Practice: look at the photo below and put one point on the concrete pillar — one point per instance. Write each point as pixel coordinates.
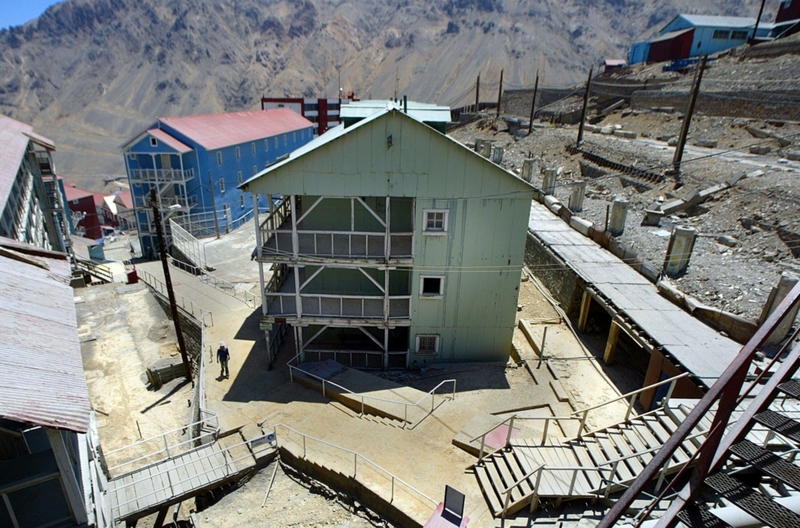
(497, 155)
(679, 250)
(619, 211)
(549, 181)
(483, 147)
(576, 198)
(527, 170)
(611, 344)
(778, 293)
(586, 303)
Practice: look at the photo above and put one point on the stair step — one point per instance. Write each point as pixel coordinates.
(779, 423)
(768, 462)
(623, 473)
(626, 450)
(753, 502)
(791, 387)
(485, 481)
(695, 516)
(506, 475)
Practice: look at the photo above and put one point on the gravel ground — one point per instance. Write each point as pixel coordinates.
(761, 214)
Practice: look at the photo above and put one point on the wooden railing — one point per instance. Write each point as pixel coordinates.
(327, 305)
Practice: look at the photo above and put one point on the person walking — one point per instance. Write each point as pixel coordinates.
(223, 355)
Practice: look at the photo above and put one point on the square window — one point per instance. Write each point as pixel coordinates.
(153, 142)
(721, 34)
(427, 344)
(132, 156)
(219, 158)
(435, 221)
(431, 286)
(222, 185)
(253, 148)
(238, 154)
(239, 176)
(738, 35)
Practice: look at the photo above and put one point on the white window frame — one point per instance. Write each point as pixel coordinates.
(431, 295)
(153, 142)
(241, 201)
(266, 145)
(253, 147)
(255, 170)
(222, 185)
(426, 230)
(132, 155)
(219, 158)
(437, 340)
(285, 139)
(239, 176)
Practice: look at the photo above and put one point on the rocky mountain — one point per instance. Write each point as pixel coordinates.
(92, 73)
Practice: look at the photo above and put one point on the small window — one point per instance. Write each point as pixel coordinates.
(738, 35)
(435, 221)
(239, 176)
(219, 158)
(132, 156)
(285, 139)
(153, 142)
(427, 344)
(294, 137)
(253, 148)
(431, 286)
(241, 201)
(266, 145)
(222, 185)
(238, 154)
(137, 185)
(255, 170)
(276, 141)
(721, 34)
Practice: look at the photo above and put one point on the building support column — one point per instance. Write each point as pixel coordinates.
(611, 344)
(586, 303)
(69, 481)
(653, 375)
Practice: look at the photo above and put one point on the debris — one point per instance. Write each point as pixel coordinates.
(760, 149)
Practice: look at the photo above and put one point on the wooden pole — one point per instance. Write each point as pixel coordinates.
(533, 102)
(162, 244)
(583, 110)
(500, 94)
(213, 204)
(687, 119)
(758, 20)
(477, 93)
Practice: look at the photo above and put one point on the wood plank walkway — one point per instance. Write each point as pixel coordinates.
(668, 326)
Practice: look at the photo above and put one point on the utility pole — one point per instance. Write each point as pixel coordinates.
(758, 20)
(533, 103)
(687, 120)
(500, 94)
(162, 244)
(583, 111)
(213, 204)
(477, 93)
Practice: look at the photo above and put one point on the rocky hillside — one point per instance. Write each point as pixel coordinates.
(92, 73)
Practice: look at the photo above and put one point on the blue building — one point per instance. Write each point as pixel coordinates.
(197, 162)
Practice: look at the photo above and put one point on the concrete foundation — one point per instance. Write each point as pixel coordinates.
(679, 250)
(778, 293)
(527, 170)
(576, 198)
(619, 212)
(549, 181)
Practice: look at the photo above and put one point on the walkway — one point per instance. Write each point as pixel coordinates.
(700, 349)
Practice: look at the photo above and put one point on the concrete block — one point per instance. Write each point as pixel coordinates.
(733, 180)
(619, 212)
(581, 225)
(561, 393)
(625, 134)
(591, 128)
(577, 195)
(706, 143)
(552, 203)
(760, 149)
(527, 169)
(757, 132)
(607, 130)
(679, 250)
(755, 174)
(793, 155)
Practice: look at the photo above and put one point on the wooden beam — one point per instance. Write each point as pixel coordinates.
(611, 344)
(586, 303)
(378, 218)
(162, 515)
(310, 209)
(305, 283)
(69, 481)
(380, 345)
(373, 281)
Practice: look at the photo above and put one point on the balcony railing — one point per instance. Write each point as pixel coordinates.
(338, 244)
(143, 201)
(161, 175)
(282, 304)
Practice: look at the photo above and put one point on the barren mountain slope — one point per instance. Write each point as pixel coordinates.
(92, 73)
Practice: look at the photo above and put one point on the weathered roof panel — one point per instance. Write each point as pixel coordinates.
(170, 141)
(43, 381)
(720, 21)
(14, 137)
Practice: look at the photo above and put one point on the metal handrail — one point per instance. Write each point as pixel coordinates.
(356, 456)
(159, 287)
(375, 398)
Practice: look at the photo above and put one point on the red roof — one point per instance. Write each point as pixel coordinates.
(72, 192)
(215, 131)
(125, 198)
(169, 140)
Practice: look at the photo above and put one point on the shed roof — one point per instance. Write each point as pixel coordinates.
(715, 21)
(429, 113)
(213, 131)
(671, 35)
(43, 381)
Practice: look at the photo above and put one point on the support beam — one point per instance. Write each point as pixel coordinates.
(312, 338)
(309, 279)
(373, 213)
(380, 345)
(259, 245)
(586, 304)
(373, 281)
(583, 109)
(309, 209)
(69, 481)
(611, 344)
(162, 515)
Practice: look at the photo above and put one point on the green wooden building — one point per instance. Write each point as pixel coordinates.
(393, 246)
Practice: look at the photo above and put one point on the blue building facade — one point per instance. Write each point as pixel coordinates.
(195, 163)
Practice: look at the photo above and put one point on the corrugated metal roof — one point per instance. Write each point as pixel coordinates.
(215, 131)
(720, 21)
(671, 35)
(72, 192)
(14, 137)
(424, 112)
(170, 141)
(42, 379)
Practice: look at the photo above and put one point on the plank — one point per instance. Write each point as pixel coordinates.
(624, 473)
(518, 471)
(656, 426)
(489, 492)
(506, 476)
(160, 484)
(553, 483)
(567, 458)
(594, 479)
(625, 449)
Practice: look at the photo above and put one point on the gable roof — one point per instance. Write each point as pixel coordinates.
(213, 131)
(715, 21)
(170, 141)
(43, 381)
(72, 192)
(339, 134)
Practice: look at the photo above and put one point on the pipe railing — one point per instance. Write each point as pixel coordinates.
(186, 304)
(336, 244)
(356, 457)
(363, 398)
(331, 305)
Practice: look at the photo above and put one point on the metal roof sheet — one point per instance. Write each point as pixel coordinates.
(14, 137)
(43, 381)
(170, 141)
(72, 192)
(671, 35)
(424, 112)
(720, 21)
(215, 131)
